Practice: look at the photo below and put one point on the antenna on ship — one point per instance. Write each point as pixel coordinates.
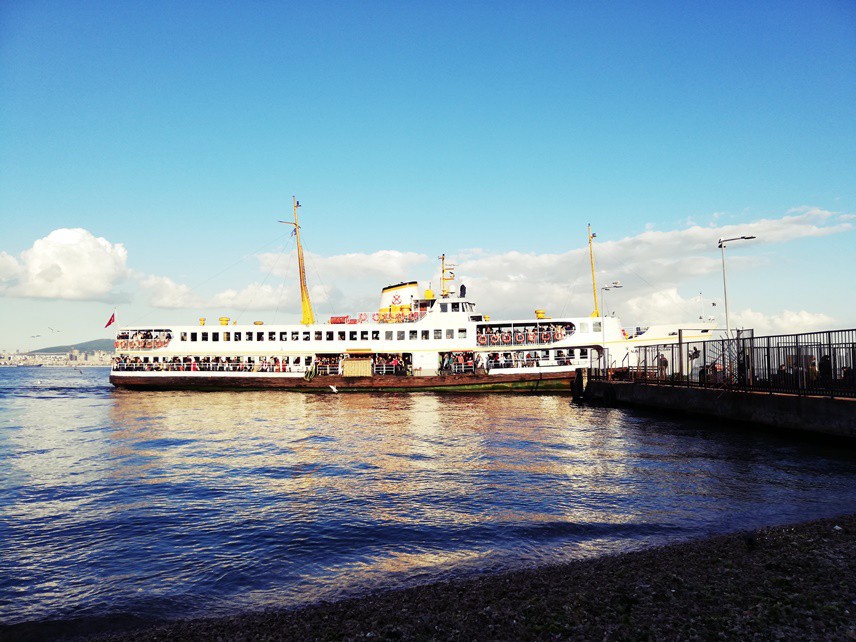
(306, 304)
(591, 236)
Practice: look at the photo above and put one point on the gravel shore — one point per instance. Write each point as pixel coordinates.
(792, 583)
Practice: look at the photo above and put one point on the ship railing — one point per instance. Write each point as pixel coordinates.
(458, 368)
(805, 364)
(531, 362)
(389, 369)
(201, 366)
(519, 338)
(332, 369)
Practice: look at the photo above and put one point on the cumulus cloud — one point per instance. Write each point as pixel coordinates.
(166, 293)
(384, 265)
(786, 322)
(659, 264)
(66, 264)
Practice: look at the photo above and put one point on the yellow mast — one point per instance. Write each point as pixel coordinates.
(591, 236)
(444, 292)
(306, 304)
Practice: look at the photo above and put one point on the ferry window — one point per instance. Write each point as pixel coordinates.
(297, 361)
(306, 336)
(271, 336)
(215, 336)
(319, 335)
(204, 336)
(364, 335)
(400, 335)
(444, 307)
(426, 334)
(260, 336)
(583, 353)
(584, 327)
(283, 336)
(184, 336)
(438, 334)
(226, 336)
(456, 307)
(450, 334)
(462, 333)
(236, 336)
(295, 336)
(341, 335)
(193, 336)
(413, 335)
(596, 327)
(353, 335)
(249, 336)
(388, 335)
(329, 335)
(375, 335)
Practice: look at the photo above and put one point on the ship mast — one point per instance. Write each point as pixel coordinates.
(446, 274)
(308, 315)
(591, 236)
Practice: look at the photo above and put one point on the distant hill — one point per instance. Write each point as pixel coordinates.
(86, 346)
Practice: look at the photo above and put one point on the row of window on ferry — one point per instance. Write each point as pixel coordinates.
(328, 335)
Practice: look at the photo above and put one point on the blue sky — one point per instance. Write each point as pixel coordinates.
(492, 131)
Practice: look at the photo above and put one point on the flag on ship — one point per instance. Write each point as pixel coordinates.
(112, 319)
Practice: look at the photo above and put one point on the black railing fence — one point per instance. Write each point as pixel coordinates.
(813, 363)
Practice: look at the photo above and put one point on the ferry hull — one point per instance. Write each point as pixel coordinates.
(554, 382)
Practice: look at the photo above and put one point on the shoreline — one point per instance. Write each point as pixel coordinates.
(791, 582)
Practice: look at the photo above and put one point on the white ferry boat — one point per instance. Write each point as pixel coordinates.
(414, 341)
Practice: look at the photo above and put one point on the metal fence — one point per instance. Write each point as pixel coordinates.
(813, 363)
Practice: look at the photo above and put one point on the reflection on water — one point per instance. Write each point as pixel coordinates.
(174, 504)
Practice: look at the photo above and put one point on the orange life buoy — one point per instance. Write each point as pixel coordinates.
(115, 344)
(481, 339)
(494, 338)
(414, 316)
(135, 345)
(149, 343)
(519, 337)
(506, 337)
(375, 316)
(158, 344)
(123, 345)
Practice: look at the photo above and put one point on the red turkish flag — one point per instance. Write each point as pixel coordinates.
(111, 321)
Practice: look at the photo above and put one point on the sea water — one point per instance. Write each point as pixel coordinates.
(164, 505)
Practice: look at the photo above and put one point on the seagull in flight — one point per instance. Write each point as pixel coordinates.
(52, 330)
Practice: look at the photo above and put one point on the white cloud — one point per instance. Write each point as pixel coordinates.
(381, 266)
(66, 264)
(786, 322)
(658, 263)
(166, 293)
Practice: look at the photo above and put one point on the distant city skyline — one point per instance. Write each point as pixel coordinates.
(149, 149)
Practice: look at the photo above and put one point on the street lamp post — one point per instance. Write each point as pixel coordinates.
(612, 286)
(722, 243)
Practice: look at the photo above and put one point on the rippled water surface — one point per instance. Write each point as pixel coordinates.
(170, 504)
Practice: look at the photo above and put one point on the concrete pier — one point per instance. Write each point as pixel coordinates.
(823, 415)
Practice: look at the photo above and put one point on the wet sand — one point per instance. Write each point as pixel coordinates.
(794, 583)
